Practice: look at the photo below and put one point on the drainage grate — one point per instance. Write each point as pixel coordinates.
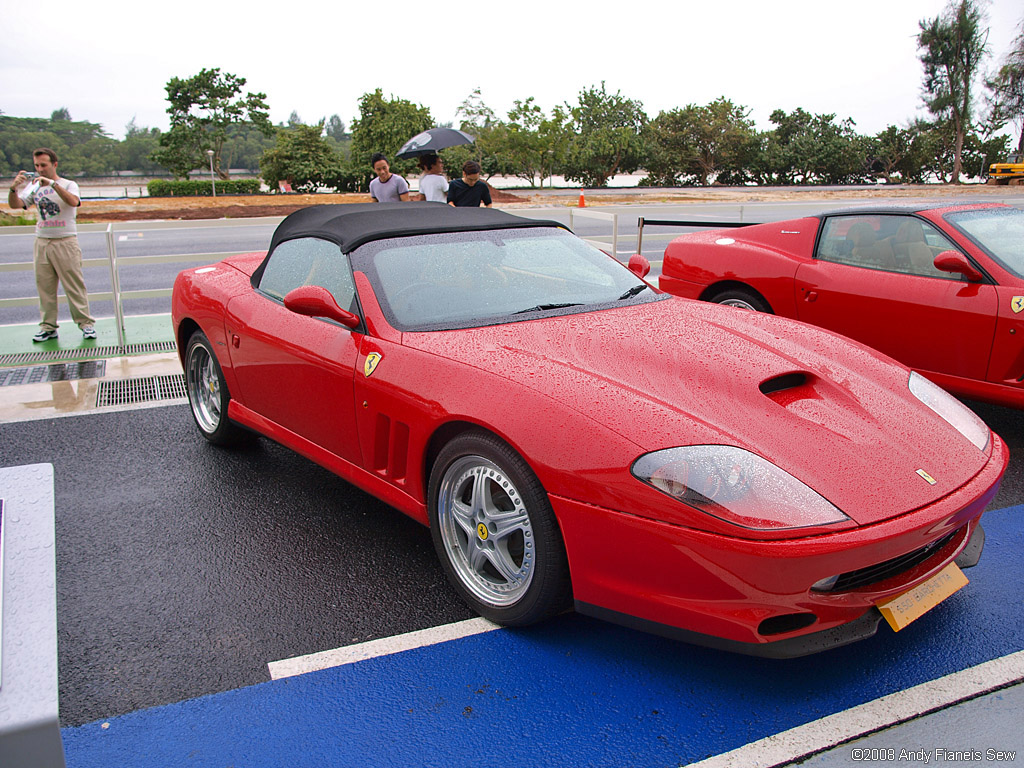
(27, 358)
(89, 369)
(131, 391)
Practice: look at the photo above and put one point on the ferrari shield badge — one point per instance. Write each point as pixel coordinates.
(1017, 304)
(371, 363)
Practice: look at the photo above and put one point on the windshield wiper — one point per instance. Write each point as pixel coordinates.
(542, 307)
(633, 291)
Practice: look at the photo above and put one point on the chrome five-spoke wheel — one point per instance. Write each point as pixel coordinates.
(486, 531)
(495, 532)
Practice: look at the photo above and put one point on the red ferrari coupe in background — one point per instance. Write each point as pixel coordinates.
(572, 435)
(939, 288)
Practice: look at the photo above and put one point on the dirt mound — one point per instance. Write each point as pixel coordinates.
(229, 207)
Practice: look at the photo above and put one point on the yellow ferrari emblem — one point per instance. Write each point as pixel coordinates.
(481, 531)
(371, 363)
(928, 478)
(1017, 304)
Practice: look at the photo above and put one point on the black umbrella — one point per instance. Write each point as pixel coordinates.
(429, 142)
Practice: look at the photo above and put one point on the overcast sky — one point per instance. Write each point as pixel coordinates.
(108, 63)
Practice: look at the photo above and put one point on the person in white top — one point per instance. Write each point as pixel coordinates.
(433, 184)
(57, 255)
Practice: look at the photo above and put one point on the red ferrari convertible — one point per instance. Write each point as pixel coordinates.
(939, 288)
(573, 436)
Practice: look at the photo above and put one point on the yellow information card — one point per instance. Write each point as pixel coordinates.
(907, 606)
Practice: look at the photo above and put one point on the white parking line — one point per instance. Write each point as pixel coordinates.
(806, 740)
(350, 654)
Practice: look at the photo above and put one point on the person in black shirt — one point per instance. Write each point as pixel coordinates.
(469, 191)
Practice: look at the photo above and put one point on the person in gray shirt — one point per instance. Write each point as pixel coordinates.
(388, 187)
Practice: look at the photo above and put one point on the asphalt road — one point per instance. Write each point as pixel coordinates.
(183, 569)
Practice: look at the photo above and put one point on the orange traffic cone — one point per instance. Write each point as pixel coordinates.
(583, 203)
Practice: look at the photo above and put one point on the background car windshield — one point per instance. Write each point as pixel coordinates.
(463, 279)
(998, 231)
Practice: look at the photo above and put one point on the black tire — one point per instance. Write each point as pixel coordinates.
(208, 394)
(743, 299)
(495, 532)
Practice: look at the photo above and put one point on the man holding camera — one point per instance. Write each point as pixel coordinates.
(57, 255)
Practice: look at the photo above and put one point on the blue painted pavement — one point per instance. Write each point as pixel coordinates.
(573, 691)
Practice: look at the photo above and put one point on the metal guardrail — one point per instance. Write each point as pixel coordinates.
(116, 294)
(599, 244)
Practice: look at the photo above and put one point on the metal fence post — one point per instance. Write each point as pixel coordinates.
(115, 285)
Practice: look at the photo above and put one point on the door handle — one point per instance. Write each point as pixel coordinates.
(811, 296)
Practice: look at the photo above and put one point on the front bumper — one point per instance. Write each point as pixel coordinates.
(800, 645)
(753, 596)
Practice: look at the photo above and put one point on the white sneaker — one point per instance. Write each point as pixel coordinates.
(88, 332)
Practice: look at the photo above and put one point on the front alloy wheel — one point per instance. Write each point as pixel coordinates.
(495, 532)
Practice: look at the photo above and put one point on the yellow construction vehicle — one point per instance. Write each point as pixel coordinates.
(1010, 172)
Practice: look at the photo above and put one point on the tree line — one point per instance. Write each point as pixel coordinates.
(588, 142)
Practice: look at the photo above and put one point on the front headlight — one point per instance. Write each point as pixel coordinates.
(736, 486)
(962, 418)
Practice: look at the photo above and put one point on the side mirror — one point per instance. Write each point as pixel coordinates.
(955, 262)
(639, 266)
(317, 301)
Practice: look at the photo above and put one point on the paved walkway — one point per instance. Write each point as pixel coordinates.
(60, 378)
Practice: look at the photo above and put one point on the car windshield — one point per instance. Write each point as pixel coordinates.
(467, 279)
(997, 231)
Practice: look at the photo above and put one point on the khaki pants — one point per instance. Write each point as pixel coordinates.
(59, 259)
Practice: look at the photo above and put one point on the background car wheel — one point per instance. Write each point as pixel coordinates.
(208, 393)
(742, 299)
(495, 532)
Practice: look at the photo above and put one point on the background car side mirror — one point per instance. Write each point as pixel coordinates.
(317, 301)
(639, 265)
(955, 262)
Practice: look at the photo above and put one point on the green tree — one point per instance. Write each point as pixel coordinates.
(810, 149)
(888, 149)
(202, 109)
(490, 147)
(953, 45)
(607, 137)
(335, 128)
(697, 144)
(302, 157)
(82, 147)
(1006, 91)
(535, 143)
(384, 125)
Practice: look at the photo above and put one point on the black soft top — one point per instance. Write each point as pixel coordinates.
(355, 224)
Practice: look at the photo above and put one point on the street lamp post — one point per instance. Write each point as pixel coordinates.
(213, 179)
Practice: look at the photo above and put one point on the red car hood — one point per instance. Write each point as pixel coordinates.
(678, 372)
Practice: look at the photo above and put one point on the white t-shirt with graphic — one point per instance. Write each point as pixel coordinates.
(56, 218)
